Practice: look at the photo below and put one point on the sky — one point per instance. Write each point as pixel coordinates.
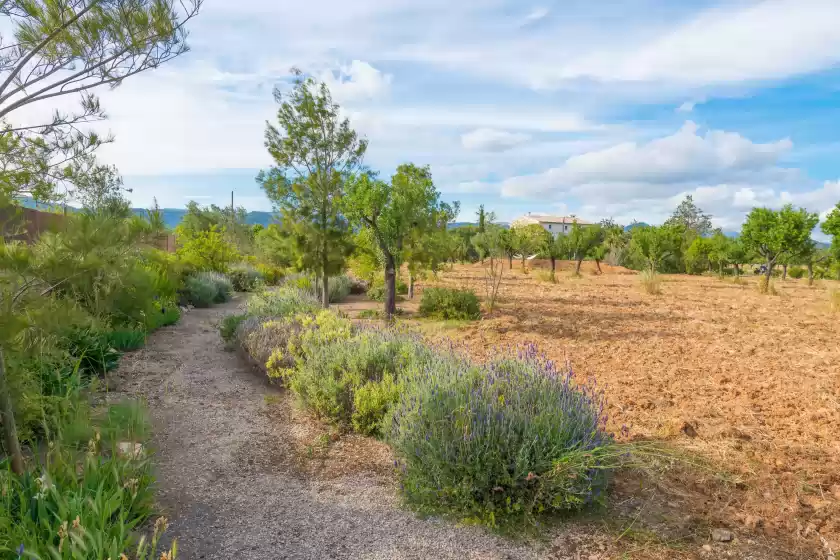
(612, 109)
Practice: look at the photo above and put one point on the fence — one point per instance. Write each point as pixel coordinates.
(26, 224)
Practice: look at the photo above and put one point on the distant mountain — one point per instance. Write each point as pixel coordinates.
(173, 216)
(454, 225)
(635, 225)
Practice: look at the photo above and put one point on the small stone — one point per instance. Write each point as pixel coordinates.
(707, 547)
(688, 429)
(722, 535)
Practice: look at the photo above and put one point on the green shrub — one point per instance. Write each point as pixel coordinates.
(347, 376)
(163, 314)
(199, 292)
(446, 303)
(376, 291)
(282, 302)
(206, 250)
(500, 443)
(126, 339)
(271, 275)
(206, 288)
(244, 277)
(228, 326)
(797, 272)
(339, 287)
(92, 351)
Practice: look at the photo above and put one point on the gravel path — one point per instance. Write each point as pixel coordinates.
(225, 472)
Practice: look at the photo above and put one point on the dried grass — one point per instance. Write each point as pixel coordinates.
(651, 282)
(755, 377)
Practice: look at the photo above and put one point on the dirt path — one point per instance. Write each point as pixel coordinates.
(225, 468)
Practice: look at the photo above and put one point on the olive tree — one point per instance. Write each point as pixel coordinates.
(831, 226)
(582, 240)
(395, 213)
(776, 234)
(528, 240)
(653, 244)
(314, 150)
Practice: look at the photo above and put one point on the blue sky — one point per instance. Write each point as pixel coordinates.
(602, 109)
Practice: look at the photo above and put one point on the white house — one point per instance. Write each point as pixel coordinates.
(554, 224)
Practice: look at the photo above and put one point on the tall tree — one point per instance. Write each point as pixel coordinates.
(692, 217)
(69, 47)
(409, 206)
(775, 234)
(554, 247)
(719, 252)
(831, 226)
(314, 151)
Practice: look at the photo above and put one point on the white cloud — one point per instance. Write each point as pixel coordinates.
(492, 140)
(536, 14)
(683, 157)
(686, 107)
(357, 81)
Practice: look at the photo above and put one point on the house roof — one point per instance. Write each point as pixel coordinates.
(549, 219)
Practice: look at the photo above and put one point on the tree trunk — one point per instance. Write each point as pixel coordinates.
(9, 427)
(720, 269)
(737, 269)
(325, 286)
(410, 285)
(390, 287)
(553, 265)
(577, 266)
(769, 273)
(784, 271)
(523, 261)
(810, 274)
(598, 265)
(510, 262)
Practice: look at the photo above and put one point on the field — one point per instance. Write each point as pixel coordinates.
(748, 385)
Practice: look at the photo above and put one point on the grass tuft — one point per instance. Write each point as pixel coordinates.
(651, 283)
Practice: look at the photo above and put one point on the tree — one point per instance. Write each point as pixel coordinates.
(653, 244)
(508, 242)
(689, 215)
(616, 240)
(529, 239)
(774, 234)
(101, 190)
(737, 254)
(554, 247)
(425, 249)
(697, 256)
(314, 151)
(719, 250)
(493, 239)
(408, 206)
(582, 240)
(831, 226)
(67, 47)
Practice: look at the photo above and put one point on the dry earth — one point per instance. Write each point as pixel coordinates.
(749, 384)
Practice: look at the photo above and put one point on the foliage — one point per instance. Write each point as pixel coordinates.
(831, 227)
(691, 218)
(313, 150)
(777, 233)
(206, 250)
(650, 281)
(582, 241)
(244, 277)
(92, 350)
(653, 244)
(448, 303)
(229, 324)
(339, 288)
(125, 340)
(697, 256)
(376, 291)
(200, 292)
(69, 48)
(86, 499)
(396, 214)
(529, 240)
(493, 242)
(797, 272)
(274, 246)
(281, 302)
(500, 443)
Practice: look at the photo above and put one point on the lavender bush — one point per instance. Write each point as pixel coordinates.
(500, 442)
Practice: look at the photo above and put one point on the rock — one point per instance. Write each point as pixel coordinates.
(722, 535)
(707, 547)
